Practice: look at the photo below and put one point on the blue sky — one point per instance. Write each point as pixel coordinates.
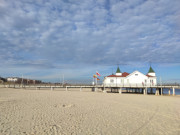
(45, 39)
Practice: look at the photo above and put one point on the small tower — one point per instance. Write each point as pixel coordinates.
(118, 72)
(151, 72)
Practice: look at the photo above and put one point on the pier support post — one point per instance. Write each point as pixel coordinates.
(173, 91)
(117, 90)
(93, 89)
(151, 91)
(157, 92)
(169, 92)
(104, 90)
(161, 91)
(135, 90)
(80, 88)
(66, 88)
(120, 90)
(145, 91)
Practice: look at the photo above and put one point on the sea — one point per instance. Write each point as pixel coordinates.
(166, 91)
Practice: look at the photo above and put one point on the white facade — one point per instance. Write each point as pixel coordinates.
(134, 79)
(152, 74)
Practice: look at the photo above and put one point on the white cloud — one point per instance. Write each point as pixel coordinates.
(88, 32)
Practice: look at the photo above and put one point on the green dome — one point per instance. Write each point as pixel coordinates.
(118, 70)
(151, 70)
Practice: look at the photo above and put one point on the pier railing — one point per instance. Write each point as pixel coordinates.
(141, 85)
(130, 85)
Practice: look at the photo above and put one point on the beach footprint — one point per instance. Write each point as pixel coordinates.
(63, 105)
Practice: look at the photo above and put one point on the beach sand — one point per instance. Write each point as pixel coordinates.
(45, 112)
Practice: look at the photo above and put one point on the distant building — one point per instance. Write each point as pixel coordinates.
(134, 78)
(22, 80)
(12, 79)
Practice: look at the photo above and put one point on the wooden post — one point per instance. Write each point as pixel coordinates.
(173, 91)
(80, 88)
(161, 91)
(157, 92)
(104, 90)
(169, 91)
(151, 90)
(66, 88)
(144, 91)
(120, 90)
(96, 89)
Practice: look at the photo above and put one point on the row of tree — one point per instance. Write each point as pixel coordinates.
(3, 79)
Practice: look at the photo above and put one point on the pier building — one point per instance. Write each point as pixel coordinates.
(134, 78)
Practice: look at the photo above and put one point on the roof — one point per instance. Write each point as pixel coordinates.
(118, 70)
(123, 75)
(149, 76)
(151, 70)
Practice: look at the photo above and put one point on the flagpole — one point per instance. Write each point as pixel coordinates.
(96, 80)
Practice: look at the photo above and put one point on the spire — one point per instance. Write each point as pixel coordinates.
(151, 70)
(118, 70)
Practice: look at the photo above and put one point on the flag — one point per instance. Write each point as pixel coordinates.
(97, 73)
(95, 76)
(143, 83)
(98, 79)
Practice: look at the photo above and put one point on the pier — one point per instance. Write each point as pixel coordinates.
(144, 89)
(139, 89)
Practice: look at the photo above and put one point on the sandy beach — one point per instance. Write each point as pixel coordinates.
(45, 112)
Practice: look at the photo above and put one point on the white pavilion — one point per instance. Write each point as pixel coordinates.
(135, 78)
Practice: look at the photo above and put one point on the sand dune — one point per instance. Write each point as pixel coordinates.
(45, 112)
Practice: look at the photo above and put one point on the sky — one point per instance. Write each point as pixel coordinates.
(49, 39)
